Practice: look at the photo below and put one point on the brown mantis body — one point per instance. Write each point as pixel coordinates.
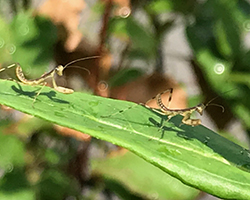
(42, 79)
(186, 112)
(165, 110)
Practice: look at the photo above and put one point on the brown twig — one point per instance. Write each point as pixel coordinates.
(101, 47)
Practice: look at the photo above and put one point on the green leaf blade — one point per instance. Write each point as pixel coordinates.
(195, 155)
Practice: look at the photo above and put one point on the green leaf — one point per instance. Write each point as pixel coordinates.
(244, 7)
(228, 31)
(56, 185)
(5, 41)
(14, 185)
(14, 180)
(125, 76)
(12, 152)
(160, 6)
(28, 40)
(25, 194)
(218, 28)
(195, 155)
(222, 41)
(217, 70)
(141, 38)
(117, 26)
(141, 177)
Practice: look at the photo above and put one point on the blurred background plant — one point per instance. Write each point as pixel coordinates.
(200, 48)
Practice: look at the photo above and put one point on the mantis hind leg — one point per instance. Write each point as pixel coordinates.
(159, 96)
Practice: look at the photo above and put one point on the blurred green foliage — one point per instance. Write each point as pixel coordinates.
(34, 161)
(217, 35)
(28, 40)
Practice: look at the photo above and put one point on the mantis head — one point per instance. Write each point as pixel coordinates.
(59, 70)
(199, 108)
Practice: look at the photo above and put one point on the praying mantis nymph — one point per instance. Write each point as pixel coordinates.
(186, 112)
(169, 112)
(41, 80)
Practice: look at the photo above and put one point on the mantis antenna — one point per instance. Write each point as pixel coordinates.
(59, 69)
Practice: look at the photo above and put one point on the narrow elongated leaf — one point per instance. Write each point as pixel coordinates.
(195, 155)
(140, 178)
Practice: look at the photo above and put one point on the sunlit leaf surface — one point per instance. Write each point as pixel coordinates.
(195, 155)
